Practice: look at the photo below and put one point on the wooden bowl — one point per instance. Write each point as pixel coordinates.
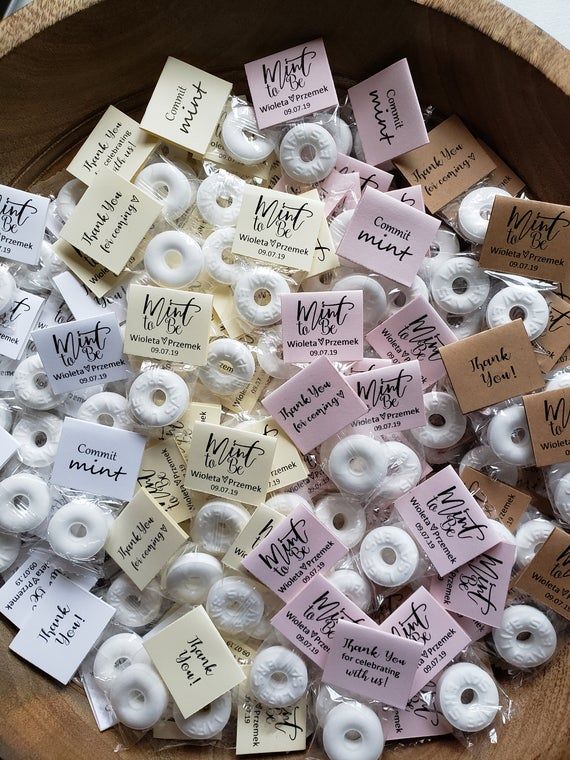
(64, 62)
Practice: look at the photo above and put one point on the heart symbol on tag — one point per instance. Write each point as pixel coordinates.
(225, 478)
(291, 98)
(164, 341)
(321, 341)
(273, 243)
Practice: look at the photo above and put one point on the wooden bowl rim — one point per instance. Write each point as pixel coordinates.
(498, 22)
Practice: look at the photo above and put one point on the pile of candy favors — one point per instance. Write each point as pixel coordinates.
(285, 457)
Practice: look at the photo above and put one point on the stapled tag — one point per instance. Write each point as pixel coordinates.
(54, 312)
(387, 113)
(98, 459)
(83, 304)
(97, 278)
(314, 404)
(473, 628)
(554, 340)
(110, 220)
(168, 324)
(262, 729)
(22, 593)
(288, 465)
(296, 550)
(478, 590)
(394, 397)
(451, 163)
(22, 224)
(498, 500)
(309, 620)
(186, 105)
(82, 353)
(370, 176)
(422, 619)
(194, 661)
(8, 446)
(162, 475)
(278, 228)
(17, 322)
(322, 324)
(143, 538)
(291, 84)
(260, 525)
(530, 238)
(416, 331)
(229, 462)
(492, 366)
(548, 416)
(67, 624)
(420, 718)
(388, 236)
(547, 577)
(116, 143)
(371, 663)
(446, 521)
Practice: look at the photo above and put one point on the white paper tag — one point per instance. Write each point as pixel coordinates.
(100, 706)
(16, 324)
(55, 312)
(22, 592)
(98, 459)
(83, 304)
(85, 352)
(8, 446)
(22, 224)
(59, 637)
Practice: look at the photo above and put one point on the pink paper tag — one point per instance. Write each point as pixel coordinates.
(420, 718)
(387, 113)
(411, 196)
(478, 589)
(420, 618)
(415, 332)
(317, 481)
(394, 397)
(322, 324)
(373, 664)
(369, 175)
(366, 365)
(388, 236)
(337, 187)
(314, 404)
(291, 84)
(296, 550)
(310, 619)
(473, 628)
(446, 521)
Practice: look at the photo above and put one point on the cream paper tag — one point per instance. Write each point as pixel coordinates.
(278, 228)
(194, 661)
(116, 143)
(260, 525)
(162, 475)
(143, 538)
(168, 324)
(263, 729)
(94, 276)
(186, 105)
(110, 220)
(230, 463)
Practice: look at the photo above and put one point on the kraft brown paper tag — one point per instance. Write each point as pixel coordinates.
(554, 340)
(451, 163)
(497, 499)
(503, 176)
(548, 416)
(492, 366)
(547, 577)
(530, 238)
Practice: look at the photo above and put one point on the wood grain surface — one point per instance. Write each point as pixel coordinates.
(60, 69)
